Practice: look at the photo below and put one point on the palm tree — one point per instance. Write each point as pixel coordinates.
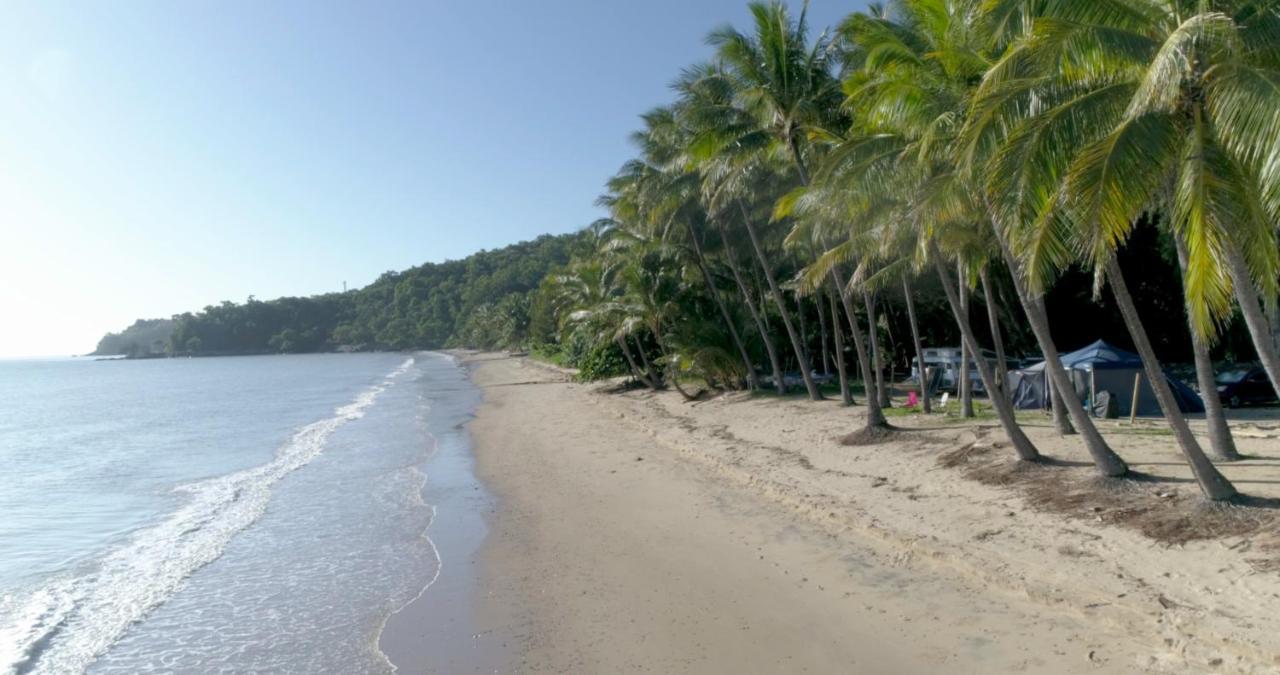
(1220, 440)
(912, 85)
(785, 85)
(587, 297)
(816, 210)
(900, 149)
(662, 189)
(1160, 97)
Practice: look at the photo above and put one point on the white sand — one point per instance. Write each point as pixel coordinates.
(636, 532)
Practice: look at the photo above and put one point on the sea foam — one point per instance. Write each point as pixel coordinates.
(64, 625)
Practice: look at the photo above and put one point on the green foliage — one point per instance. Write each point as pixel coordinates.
(484, 300)
(601, 361)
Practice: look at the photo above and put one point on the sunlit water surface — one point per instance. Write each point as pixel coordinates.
(217, 515)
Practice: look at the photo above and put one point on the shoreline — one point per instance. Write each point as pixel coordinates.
(437, 630)
(632, 530)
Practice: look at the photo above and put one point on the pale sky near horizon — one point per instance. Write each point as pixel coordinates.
(157, 157)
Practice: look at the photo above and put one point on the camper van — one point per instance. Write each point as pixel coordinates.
(946, 360)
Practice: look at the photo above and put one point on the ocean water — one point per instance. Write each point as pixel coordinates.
(241, 514)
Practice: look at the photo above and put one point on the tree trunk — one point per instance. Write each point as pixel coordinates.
(655, 379)
(822, 333)
(749, 301)
(1057, 409)
(837, 335)
(803, 325)
(1022, 445)
(801, 356)
(1061, 418)
(997, 341)
(631, 363)
(873, 336)
(1247, 296)
(1214, 485)
(925, 394)
(964, 387)
(875, 414)
(1220, 440)
(1065, 400)
(675, 382)
(752, 382)
(1273, 315)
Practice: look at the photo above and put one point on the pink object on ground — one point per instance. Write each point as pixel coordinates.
(912, 401)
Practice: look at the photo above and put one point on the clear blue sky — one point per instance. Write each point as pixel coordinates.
(157, 157)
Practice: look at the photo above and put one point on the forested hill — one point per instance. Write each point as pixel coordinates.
(485, 298)
(143, 338)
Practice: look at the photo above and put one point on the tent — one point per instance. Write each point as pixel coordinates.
(1096, 368)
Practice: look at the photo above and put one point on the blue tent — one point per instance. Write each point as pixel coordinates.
(1096, 368)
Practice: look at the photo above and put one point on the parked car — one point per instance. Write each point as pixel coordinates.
(1245, 386)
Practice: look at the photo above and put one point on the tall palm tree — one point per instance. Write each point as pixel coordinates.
(1187, 88)
(897, 149)
(1106, 109)
(706, 103)
(662, 189)
(784, 82)
(912, 86)
(818, 211)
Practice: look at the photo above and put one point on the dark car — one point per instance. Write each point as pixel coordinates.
(1244, 386)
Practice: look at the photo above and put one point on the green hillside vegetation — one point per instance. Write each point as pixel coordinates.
(145, 337)
(483, 299)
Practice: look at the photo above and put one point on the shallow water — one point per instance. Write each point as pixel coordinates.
(217, 515)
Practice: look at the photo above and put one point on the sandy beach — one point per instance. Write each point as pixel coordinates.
(634, 532)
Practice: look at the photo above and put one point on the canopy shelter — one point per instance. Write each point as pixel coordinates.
(1094, 369)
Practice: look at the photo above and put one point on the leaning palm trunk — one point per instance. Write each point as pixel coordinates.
(1220, 440)
(749, 301)
(1247, 295)
(802, 357)
(877, 358)
(837, 335)
(1061, 418)
(1065, 402)
(997, 341)
(1022, 445)
(822, 334)
(964, 386)
(875, 414)
(925, 394)
(1214, 485)
(752, 382)
(655, 379)
(670, 363)
(1273, 316)
(631, 363)
(803, 325)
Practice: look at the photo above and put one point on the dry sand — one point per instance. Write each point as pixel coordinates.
(635, 532)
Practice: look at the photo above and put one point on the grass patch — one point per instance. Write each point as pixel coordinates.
(553, 357)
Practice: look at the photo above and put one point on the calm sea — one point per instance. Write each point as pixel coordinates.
(254, 514)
